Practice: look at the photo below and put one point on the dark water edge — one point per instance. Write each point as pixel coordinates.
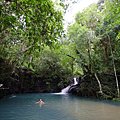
(111, 102)
(7, 94)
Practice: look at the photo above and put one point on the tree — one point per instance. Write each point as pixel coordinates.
(109, 30)
(102, 25)
(26, 26)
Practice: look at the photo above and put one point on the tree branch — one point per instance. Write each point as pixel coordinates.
(26, 13)
(71, 57)
(114, 67)
(26, 49)
(22, 45)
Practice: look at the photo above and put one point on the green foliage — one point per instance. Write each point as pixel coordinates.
(88, 17)
(49, 67)
(90, 34)
(104, 96)
(26, 26)
(30, 30)
(116, 99)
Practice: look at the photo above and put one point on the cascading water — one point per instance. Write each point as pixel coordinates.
(65, 90)
(75, 81)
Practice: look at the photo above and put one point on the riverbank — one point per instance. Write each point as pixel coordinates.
(24, 80)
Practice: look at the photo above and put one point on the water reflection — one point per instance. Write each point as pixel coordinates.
(90, 110)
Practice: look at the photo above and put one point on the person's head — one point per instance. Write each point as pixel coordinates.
(40, 99)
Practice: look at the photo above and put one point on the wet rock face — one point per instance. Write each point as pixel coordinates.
(72, 80)
(77, 79)
(74, 87)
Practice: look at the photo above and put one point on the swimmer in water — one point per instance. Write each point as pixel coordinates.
(41, 102)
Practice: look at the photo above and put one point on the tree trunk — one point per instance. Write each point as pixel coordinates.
(105, 50)
(114, 66)
(14, 66)
(89, 52)
(98, 82)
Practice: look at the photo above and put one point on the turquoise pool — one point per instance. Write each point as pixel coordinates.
(57, 107)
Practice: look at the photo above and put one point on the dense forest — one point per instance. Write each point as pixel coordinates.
(37, 56)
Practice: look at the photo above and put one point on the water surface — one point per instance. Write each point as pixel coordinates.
(57, 107)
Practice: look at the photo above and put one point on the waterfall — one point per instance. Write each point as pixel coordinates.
(75, 81)
(65, 90)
